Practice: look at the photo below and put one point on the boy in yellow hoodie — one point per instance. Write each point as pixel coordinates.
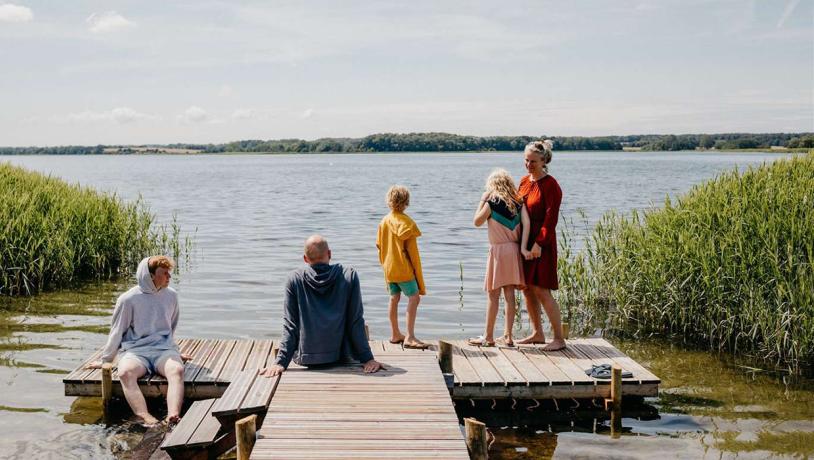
(398, 253)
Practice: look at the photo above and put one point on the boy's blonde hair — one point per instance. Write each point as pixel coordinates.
(398, 198)
(500, 185)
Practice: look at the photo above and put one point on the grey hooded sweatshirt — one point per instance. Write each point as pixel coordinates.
(145, 318)
(323, 319)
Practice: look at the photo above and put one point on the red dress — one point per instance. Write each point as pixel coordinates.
(542, 199)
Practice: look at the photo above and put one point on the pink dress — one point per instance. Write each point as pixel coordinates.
(505, 264)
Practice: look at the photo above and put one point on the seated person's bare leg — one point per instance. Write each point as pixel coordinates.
(130, 370)
(173, 369)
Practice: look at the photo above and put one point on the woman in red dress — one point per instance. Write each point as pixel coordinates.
(541, 196)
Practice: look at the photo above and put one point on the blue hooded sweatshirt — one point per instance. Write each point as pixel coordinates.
(323, 317)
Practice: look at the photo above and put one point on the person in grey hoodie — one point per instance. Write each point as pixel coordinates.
(143, 327)
(323, 320)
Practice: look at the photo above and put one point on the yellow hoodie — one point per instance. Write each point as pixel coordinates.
(398, 250)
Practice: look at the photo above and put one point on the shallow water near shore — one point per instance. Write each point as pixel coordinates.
(250, 214)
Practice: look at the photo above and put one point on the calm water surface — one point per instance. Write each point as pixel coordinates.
(250, 214)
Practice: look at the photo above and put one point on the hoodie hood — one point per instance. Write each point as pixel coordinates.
(403, 226)
(322, 277)
(145, 281)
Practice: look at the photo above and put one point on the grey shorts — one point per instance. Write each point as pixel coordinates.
(152, 360)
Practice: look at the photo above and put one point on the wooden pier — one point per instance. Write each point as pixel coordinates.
(523, 372)
(404, 411)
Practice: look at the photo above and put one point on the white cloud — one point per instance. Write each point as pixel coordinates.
(194, 114)
(15, 13)
(308, 113)
(109, 21)
(119, 115)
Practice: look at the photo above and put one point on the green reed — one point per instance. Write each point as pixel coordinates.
(54, 234)
(728, 266)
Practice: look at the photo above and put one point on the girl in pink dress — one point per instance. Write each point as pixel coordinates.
(500, 208)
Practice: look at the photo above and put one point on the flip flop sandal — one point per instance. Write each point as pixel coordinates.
(480, 341)
(605, 371)
(397, 342)
(417, 346)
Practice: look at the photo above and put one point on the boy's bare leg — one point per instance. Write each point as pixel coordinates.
(491, 315)
(511, 311)
(173, 370)
(533, 307)
(129, 372)
(395, 333)
(412, 308)
(552, 309)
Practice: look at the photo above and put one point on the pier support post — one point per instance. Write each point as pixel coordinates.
(107, 385)
(246, 435)
(566, 329)
(615, 401)
(476, 439)
(616, 387)
(445, 356)
(367, 332)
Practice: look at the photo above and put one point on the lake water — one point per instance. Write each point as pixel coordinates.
(250, 215)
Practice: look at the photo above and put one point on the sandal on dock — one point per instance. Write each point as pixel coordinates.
(416, 345)
(604, 371)
(480, 341)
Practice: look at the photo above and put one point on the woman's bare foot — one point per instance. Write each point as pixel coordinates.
(532, 339)
(397, 338)
(555, 345)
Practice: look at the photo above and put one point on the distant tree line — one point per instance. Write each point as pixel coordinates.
(443, 142)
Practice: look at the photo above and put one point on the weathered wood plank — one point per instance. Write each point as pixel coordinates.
(487, 374)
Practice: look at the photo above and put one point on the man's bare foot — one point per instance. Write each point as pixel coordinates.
(555, 345)
(532, 339)
(397, 338)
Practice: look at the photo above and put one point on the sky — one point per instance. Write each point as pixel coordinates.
(151, 72)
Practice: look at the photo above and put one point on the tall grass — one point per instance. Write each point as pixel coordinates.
(54, 234)
(727, 266)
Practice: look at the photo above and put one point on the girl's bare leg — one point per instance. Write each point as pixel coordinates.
(491, 315)
(511, 309)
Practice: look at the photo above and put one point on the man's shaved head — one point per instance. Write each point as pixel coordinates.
(316, 249)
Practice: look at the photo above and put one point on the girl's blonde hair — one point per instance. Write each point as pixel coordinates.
(398, 198)
(542, 148)
(500, 186)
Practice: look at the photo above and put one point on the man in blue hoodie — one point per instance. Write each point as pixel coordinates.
(323, 320)
(143, 328)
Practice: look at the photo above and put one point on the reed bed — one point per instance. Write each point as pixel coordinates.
(54, 234)
(728, 266)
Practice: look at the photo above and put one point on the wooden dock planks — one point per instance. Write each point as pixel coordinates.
(402, 411)
(491, 372)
